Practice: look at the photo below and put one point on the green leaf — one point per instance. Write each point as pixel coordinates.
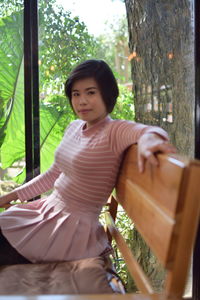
(13, 148)
(11, 53)
(50, 134)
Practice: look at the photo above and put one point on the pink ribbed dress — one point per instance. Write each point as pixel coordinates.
(64, 226)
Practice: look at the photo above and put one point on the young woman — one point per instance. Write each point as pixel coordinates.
(64, 226)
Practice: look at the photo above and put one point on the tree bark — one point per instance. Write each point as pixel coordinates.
(161, 41)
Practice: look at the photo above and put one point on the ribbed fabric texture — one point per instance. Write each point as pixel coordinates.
(65, 226)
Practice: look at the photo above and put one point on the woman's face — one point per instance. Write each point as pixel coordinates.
(87, 101)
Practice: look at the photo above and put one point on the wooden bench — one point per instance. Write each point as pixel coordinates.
(164, 204)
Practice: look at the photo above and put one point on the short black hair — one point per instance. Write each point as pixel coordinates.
(102, 74)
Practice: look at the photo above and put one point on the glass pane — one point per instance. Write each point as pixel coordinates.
(12, 144)
(69, 33)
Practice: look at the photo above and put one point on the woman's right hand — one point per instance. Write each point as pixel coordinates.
(12, 196)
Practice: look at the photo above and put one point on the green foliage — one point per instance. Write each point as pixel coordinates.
(113, 48)
(126, 229)
(124, 109)
(8, 7)
(65, 42)
(11, 68)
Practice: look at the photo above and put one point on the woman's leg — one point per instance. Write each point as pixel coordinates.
(8, 254)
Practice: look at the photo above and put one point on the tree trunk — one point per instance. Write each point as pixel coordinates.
(161, 40)
(149, 263)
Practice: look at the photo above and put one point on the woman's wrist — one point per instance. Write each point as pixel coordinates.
(12, 196)
(153, 135)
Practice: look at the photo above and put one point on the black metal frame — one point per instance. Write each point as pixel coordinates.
(31, 83)
(196, 257)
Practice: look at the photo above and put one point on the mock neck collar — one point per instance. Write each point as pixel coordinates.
(96, 126)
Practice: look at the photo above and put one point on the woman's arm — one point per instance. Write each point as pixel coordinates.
(150, 140)
(125, 133)
(38, 185)
(8, 198)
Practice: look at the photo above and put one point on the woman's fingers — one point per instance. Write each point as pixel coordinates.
(163, 147)
(150, 154)
(149, 145)
(140, 163)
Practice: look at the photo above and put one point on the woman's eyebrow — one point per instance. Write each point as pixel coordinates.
(92, 87)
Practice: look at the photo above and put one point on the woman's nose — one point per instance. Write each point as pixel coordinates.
(83, 100)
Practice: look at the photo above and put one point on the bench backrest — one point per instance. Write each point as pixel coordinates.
(164, 204)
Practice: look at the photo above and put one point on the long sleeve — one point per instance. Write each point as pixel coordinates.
(127, 133)
(38, 185)
(42, 183)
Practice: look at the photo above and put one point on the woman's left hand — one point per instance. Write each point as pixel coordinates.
(148, 145)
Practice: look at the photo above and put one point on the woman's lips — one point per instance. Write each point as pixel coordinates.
(84, 111)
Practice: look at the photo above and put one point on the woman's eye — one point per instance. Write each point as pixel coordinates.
(75, 94)
(91, 92)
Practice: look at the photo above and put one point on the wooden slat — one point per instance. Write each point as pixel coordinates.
(185, 230)
(164, 204)
(112, 208)
(134, 268)
(154, 224)
(113, 204)
(164, 180)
